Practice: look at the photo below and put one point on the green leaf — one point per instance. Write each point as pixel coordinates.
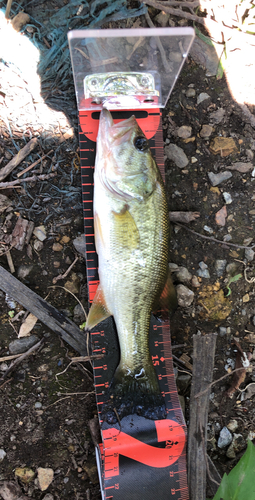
(235, 278)
(11, 314)
(239, 484)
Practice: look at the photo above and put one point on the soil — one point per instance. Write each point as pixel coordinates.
(56, 433)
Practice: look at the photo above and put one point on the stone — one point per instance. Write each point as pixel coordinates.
(183, 381)
(4, 203)
(202, 265)
(177, 155)
(206, 131)
(202, 97)
(241, 167)
(225, 438)
(184, 132)
(220, 265)
(2, 454)
(203, 274)
(223, 146)
(232, 425)
(162, 19)
(19, 346)
(246, 298)
(222, 331)
(65, 239)
(185, 296)
(38, 245)
(183, 275)
(249, 254)
(220, 216)
(25, 474)
(45, 477)
(208, 229)
(48, 496)
(216, 117)
(56, 247)
(38, 405)
(236, 446)
(73, 284)
(216, 179)
(40, 233)
(78, 315)
(195, 282)
(227, 198)
(190, 92)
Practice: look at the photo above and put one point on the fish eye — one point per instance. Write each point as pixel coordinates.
(141, 143)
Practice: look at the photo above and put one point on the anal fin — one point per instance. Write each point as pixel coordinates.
(167, 302)
(98, 311)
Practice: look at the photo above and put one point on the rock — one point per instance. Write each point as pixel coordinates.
(220, 216)
(231, 268)
(183, 275)
(216, 179)
(38, 405)
(190, 92)
(78, 315)
(220, 265)
(162, 19)
(241, 167)
(223, 146)
(177, 155)
(232, 425)
(4, 203)
(65, 239)
(216, 117)
(208, 229)
(175, 57)
(183, 380)
(73, 285)
(19, 346)
(249, 254)
(38, 245)
(203, 265)
(24, 271)
(48, 496)
(236, 446)
(2, 454)
(222, 332)
(172, 266)
(184, 132)
(185, 296)
(56, 247)
(227, 237)
(227, 198)
(202, 97)
(246, 298)
(195, 282)
(225, 438)
(206, 131)
(193, 159)
(203, 274)
(79, 244)
(45, 477)
(40, 233)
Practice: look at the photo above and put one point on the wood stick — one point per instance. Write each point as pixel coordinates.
(34, 178)
(21, 357)
(17, 159)
(44, 311)
(33, 164)
(203, 363)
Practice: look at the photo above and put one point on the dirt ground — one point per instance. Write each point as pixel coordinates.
(47, 402)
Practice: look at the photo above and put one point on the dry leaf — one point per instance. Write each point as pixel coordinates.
(27, 326)
(240, 166)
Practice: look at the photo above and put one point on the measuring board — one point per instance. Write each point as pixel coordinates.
(140, 459)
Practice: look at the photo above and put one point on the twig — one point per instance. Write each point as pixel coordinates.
(216, 382)
(68, 291)
(5, 383)
(9, 358)
(17, 159)
(8, 8)
(10, 261)
(34, 178)
(210, 238)
(62, 276)
(175, 12)
(34, 164)
(160, 46)
(23, 356)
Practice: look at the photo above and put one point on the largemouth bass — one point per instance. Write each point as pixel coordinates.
(132, 237)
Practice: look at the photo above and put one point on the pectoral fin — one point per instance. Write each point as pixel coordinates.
(167, 302)
(126, 232)
(98, 311)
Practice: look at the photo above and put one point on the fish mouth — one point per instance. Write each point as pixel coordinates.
(115, 133)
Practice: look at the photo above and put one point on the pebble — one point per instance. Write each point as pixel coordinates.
(185, 296)
(208, 229)
(203, 274)
(19, 346)
(23, 271)
(220, 265)
(2, 454)
(225, 438)
(183, 275)
(236, 446)
(246, 298)
(38, 245)
(173, 266)
(217, 116)
(162, 19)
(206, 131)
(195, 282)
(40, 233)
(183, 381)
(56, 247)
(232, 425)
(48, 496)
(231, 268)
(220, 216)
(222, 331)
(175, 57)
(249, 254)
(38, 405)
(45, 477)
(202, 97)
(190, 92)
(227, 237)
(177, 155)
(73, 284)
(184, 132)
(216, 179)
(78, 315)
(227, 198)
(203, 265)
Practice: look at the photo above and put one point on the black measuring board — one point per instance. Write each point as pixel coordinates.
(138, 459)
